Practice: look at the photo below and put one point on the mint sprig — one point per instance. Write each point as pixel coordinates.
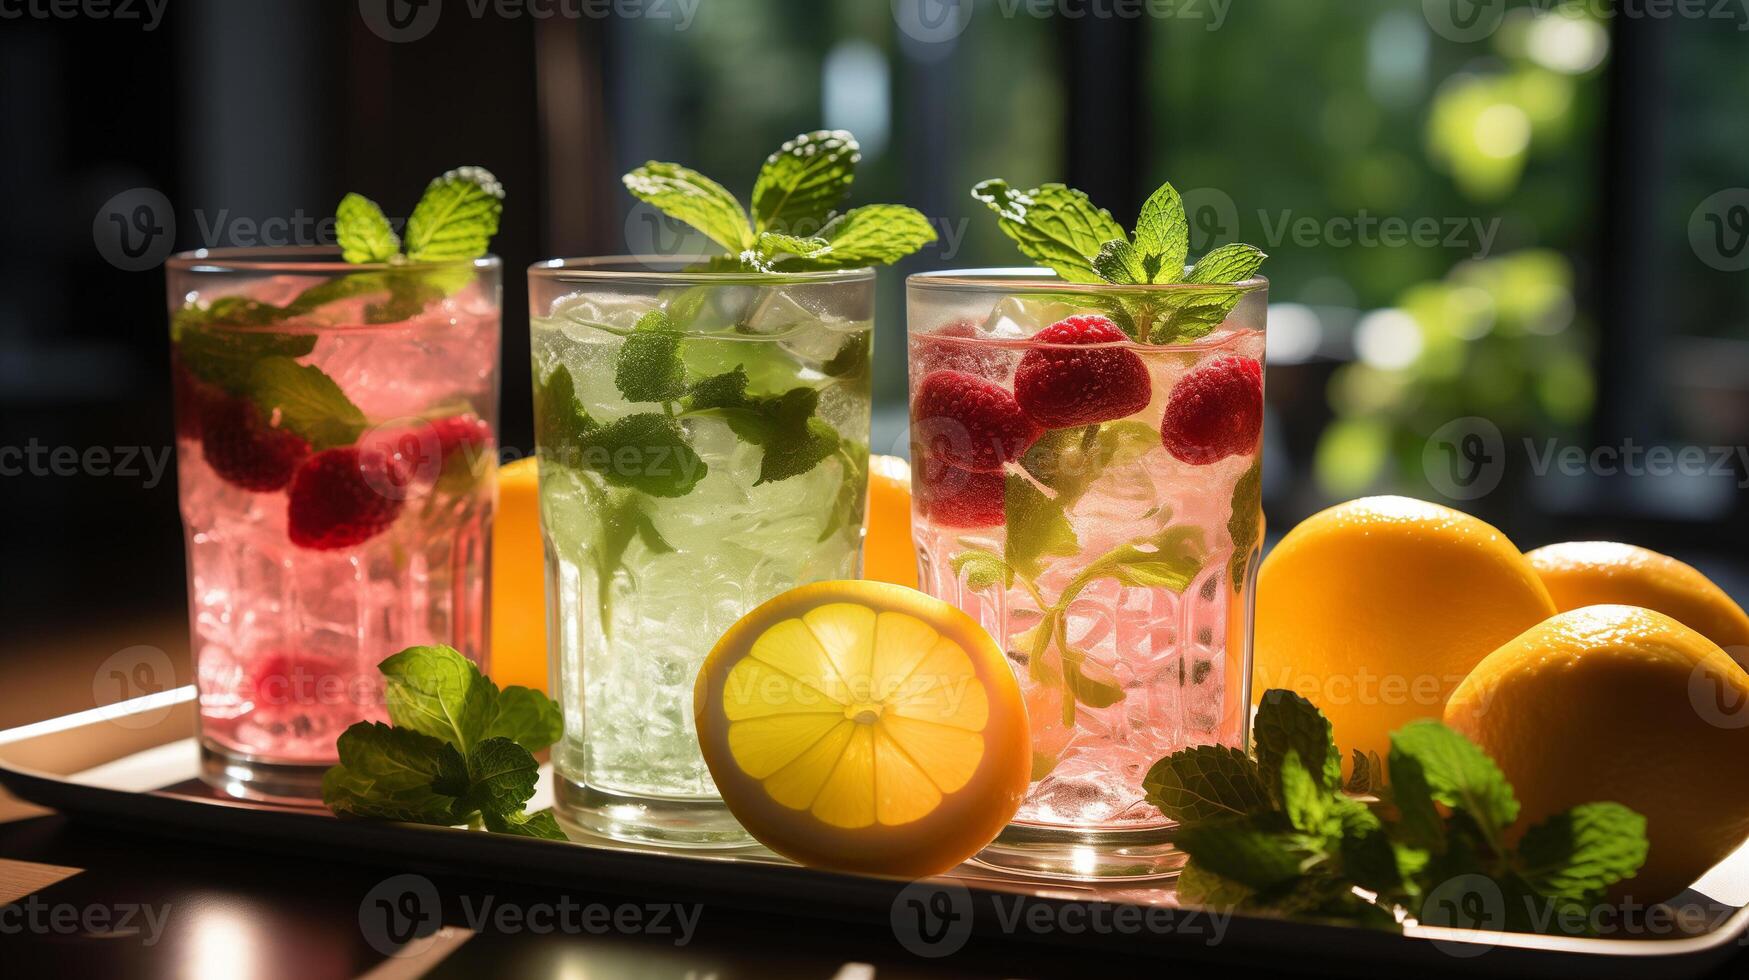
(454, 220)
(1060, 228)
(459, 751)
(1275, 833)
(795, 225)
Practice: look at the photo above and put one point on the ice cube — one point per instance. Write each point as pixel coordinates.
(1018, 317)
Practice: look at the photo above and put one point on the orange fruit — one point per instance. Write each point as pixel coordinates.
(1623, 704)
(1590, 573)
(1375, 609)
(519, 591)
(889, 554)
(865, 727)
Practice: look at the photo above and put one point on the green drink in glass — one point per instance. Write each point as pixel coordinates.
(703, 435)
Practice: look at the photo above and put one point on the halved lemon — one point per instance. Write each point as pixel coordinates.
(866, 727)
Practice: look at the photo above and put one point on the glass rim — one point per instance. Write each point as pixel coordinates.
(1036, 279)
(304, 259)
(599, 268)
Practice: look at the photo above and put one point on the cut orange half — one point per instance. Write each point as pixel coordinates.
(864, 726)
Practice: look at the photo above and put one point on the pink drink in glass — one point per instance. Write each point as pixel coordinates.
(336, 473)
(1112, 562)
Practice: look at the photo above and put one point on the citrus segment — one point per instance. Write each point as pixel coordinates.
(864, 726)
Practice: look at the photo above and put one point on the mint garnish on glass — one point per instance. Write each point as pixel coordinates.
(795, 224)
(454, 221)
(459, 751)
(1060, 228)
(1277, 831)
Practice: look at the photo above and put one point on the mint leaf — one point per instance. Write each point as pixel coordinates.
(540, 824)
(1119, 262)
(1302, 799)
(796, 450)
(1054, 225)
(1287, 723)
(309, 403)
(794, 440)
(981, 569)
(363, 231)
(1037, 527)
(227, 358)
(526, 717)
(772, 249)
(623, 521)
(1201, 887)
(501, 776)
(1181, 316)
(1580, 853)
(847, 509)
(395, 774)
(803, 181)
(647, 367)
(560, 421)
(438, 692)
(1366, 773)
(1163, 236)
(645, 452)
(1419, 824)
(1205, 782)
(457, 216)
(1229, 263)
(851, 358)
(1171, 561)
(1069, 461)
(1460, 775)
(1254, 850)
(875, 234)
(1368, 858)
(1087, 681)
(690, 196)
(1245, 521)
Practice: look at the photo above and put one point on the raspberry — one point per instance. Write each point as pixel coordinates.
(933, 353)
(969, 422)
(1061, 388)
(243, 449)
(951, 497)
(190, 396)
(424, 448)
(343, 497)
(1215, 411)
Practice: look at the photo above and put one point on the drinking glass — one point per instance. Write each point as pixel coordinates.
(703, 442)
(335, 433)
(1093, 502)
